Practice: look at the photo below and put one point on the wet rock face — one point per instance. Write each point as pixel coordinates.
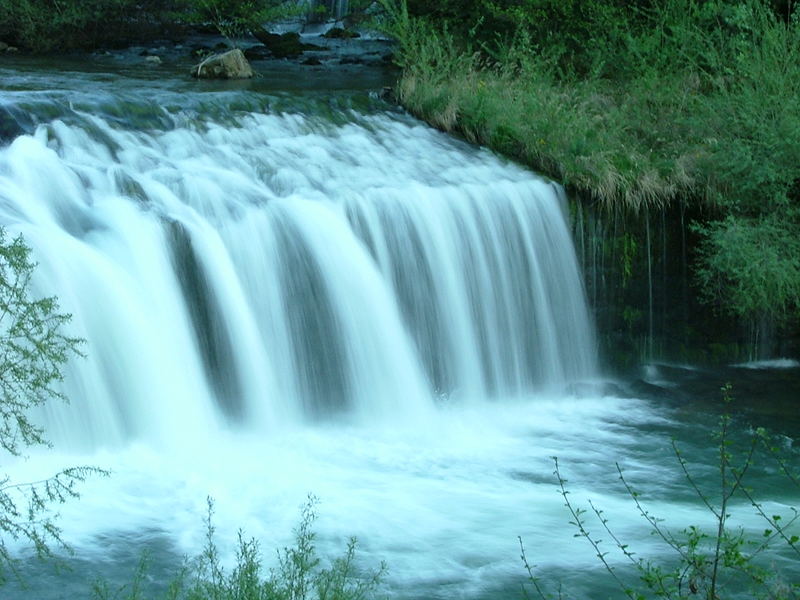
(228, 65)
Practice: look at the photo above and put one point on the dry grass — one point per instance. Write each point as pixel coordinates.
(575, 134)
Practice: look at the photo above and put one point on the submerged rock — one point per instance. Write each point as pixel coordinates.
(10, 126)
(257, 53)
(228, 65)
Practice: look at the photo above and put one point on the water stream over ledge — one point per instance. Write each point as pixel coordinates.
(311, 292)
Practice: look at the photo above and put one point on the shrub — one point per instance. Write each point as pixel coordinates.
(298, 576)
(719, 563)
(33, 351)
(751, 266)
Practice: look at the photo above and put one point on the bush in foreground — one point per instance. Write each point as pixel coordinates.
(298, 576)
(719, 563)
(34, 349)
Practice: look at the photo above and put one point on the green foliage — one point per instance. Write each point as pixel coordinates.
(633, 105)
(298, 576)
(708, 564)
(45, 25)
(751, 267)
(585, 36)
(33, 352)
(237, 18)
(34, 348)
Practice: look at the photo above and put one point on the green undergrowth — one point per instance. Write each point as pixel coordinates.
(300, 574)
(636, 108)
(45, 26)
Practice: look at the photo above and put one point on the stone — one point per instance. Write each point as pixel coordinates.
(228, 65)
(3, 46)
(156, 60)
(339, 33)
(286, 45)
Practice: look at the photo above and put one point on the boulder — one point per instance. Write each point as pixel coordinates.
(286, 45)
(339, 33)
(10, 127)
(228, 65)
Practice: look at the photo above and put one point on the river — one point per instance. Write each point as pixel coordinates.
(288, 286)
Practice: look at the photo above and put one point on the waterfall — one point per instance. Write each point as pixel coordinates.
(339, 8)
(327, 10)
(233, 265)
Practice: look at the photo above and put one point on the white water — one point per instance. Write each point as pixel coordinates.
(775, 363)
(270, 273)
(277, 303)
(442, 505)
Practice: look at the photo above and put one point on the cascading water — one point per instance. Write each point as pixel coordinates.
(326, 9)
(283, 294)
(274, 267)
